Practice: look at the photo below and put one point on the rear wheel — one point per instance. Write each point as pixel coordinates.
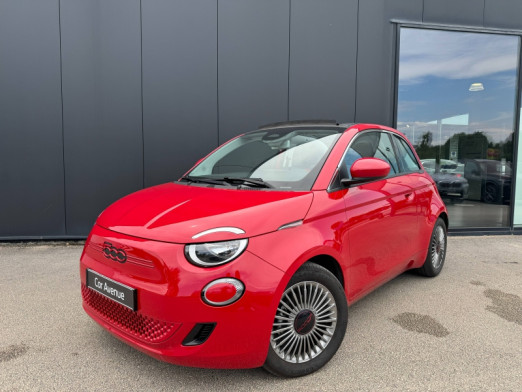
(437, 250)
(310, 323)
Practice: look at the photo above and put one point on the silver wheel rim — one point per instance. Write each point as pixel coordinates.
(304, 323)
(438, 247)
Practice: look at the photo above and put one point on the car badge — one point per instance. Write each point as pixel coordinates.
(113, 253)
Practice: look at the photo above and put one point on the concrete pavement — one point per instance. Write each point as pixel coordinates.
(461, 331)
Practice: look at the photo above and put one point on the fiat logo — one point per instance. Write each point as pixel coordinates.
(113, 253)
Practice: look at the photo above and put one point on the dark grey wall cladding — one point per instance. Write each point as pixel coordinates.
(376, 56)
(150, 86)
(467, 12)
(505, 14)
(31, 159)
(323, 47)
(253, 39)
(179, 85)
(101, 106)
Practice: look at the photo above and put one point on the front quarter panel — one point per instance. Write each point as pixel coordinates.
(320, 234)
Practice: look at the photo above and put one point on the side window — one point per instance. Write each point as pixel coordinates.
(406, 156)
(386, 153)
(372, 144)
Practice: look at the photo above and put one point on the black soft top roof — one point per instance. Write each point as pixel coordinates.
(330, 123)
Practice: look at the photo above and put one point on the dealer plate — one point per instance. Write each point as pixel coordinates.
(116, 291)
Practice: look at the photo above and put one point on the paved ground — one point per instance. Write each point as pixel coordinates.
(461, 331)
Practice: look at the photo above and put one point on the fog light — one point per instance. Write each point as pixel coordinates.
(221, 292)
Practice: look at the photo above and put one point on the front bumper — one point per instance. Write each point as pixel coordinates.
(449, 188)
(169, 303)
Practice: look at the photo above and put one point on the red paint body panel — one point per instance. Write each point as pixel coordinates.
(382, 220)
(372, 232)
(171, 292)
(370, 168)
(176, 212)
(429, 207)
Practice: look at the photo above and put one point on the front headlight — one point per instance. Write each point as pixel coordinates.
(212, 254)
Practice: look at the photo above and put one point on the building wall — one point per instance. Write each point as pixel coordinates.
(99, 98)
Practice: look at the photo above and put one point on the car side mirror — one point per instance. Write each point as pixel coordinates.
(366, 169)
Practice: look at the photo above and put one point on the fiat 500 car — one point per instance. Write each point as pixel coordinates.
(253, 256)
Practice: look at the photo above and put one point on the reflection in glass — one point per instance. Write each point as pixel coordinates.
(456, 104)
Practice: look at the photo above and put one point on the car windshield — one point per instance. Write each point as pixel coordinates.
(284, 159)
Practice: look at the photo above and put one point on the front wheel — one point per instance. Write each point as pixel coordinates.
(437, 250)
(309, 325)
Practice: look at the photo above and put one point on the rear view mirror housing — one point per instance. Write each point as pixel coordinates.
(365, 170)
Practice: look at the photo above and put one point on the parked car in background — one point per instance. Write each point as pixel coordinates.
(449, 177)
(253, 256)
(489, 180)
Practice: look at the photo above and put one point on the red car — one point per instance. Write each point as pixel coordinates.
(252, 258)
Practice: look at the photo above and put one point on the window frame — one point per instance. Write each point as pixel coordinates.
(513, 226)
(335, 185)
(414, 155)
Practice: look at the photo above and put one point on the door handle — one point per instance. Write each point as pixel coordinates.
(407, 195)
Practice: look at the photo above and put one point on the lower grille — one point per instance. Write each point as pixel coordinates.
(137, 325)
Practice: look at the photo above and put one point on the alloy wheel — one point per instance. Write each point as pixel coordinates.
(305, 322)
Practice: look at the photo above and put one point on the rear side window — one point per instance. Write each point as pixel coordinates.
(406, 156)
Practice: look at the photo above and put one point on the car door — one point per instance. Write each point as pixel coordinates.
(423, 191)
(381, 217)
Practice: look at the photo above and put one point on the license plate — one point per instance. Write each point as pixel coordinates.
(116, 291)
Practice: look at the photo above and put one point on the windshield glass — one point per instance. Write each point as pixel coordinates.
(284, 159)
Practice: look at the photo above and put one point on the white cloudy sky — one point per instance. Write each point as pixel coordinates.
(454, 55)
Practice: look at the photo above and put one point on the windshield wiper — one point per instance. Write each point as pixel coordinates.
(257, 182)
(203, 180)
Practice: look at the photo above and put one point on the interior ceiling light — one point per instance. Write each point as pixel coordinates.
(476, 87)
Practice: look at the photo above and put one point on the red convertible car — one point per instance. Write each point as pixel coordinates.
(253, 256)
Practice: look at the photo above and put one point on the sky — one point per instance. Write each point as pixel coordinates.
(436, 69)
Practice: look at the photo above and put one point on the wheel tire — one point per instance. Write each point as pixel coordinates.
(491, 193)
(309, 325)
(436, 251)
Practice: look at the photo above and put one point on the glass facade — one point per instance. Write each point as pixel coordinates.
(457, 105)
(517, 220)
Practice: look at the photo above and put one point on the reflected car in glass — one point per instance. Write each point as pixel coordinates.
(253, 256)
(490, 178)
(449, 178)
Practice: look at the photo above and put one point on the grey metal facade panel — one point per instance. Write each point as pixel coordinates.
(31, 148)
(211, 69)
(101, 76)
(505, 14)
(323, 59)
(253, 42)
(458, 12)
(179, 85)
(376, 56)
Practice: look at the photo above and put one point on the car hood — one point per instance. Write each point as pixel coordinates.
(175, 212)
